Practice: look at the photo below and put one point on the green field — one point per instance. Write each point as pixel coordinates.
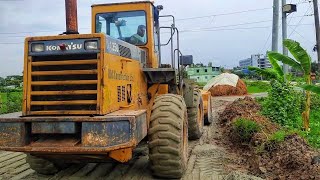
(256, 89)
(257, 86)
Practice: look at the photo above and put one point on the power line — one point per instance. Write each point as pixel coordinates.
(300, 21)
(199, 30)
(222, 14)
(265, 44)
(183, 31)
(202, 30)
(304, 38)
(239, 24)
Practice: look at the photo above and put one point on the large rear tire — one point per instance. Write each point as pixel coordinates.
(44, 166)
(196, 116)
(168, 137)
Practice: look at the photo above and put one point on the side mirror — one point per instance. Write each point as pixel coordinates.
(186, 60)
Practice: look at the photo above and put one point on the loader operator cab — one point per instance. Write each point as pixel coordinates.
(136, 23)
(127, 26)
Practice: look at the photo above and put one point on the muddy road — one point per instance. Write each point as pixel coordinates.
(206, 160)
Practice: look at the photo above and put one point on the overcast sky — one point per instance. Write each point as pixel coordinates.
(211, 30)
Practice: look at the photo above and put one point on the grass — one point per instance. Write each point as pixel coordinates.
(257, 86)
(245, 128)
(313, 136)
(255, 89)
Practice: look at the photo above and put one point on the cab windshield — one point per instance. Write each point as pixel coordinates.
(127, 26)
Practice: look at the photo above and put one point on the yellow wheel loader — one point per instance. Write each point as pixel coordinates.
(95, 97)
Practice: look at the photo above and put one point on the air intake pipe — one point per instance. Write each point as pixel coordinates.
(71, 17)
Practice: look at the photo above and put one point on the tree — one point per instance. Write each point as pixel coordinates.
(2, 81)
(302, 62)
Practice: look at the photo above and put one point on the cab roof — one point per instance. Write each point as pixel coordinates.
(134, 2)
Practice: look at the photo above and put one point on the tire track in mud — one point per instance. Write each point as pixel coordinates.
(206, 161)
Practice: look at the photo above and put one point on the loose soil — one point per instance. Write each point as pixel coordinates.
(290, 159)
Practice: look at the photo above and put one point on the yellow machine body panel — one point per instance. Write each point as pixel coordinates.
(119, 81)
(36, 68)
(124, 85)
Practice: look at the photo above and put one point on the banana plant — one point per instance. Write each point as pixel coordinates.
(312, 88)
(302, 62)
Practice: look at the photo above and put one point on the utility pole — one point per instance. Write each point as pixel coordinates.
(275, 25)
(284, 35)
(316, 22)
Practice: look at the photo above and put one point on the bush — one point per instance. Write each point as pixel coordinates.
(10, 102)
(315, 102)
(14, 103)
(283, 104)
(245, 129)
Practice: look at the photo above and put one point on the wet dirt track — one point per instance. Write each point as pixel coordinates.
(206, 161)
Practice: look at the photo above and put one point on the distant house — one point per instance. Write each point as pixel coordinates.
(201, 73)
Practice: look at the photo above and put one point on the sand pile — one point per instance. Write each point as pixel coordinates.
(226, 84)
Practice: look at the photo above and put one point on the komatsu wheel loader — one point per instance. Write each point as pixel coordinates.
(95, 97)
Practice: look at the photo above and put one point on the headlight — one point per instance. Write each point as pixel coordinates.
(91, 45)
(37, 47)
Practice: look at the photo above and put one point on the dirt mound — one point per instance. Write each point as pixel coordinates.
(239, 108)
(291, 159)
(246, 108)
(227, 90)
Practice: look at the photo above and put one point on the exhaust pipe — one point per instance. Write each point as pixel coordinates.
(71, 17)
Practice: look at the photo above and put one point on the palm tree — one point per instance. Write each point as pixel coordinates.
(302, 62)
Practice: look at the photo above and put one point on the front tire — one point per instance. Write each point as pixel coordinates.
(168, 136)
(44, 166)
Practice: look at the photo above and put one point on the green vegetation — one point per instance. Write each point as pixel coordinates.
(293, 124)
(257, 86)
(278, 136)
(10, 102)
(10, 94)
(302, 62)
(245, 128)
(283, 105)
(313, 135)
